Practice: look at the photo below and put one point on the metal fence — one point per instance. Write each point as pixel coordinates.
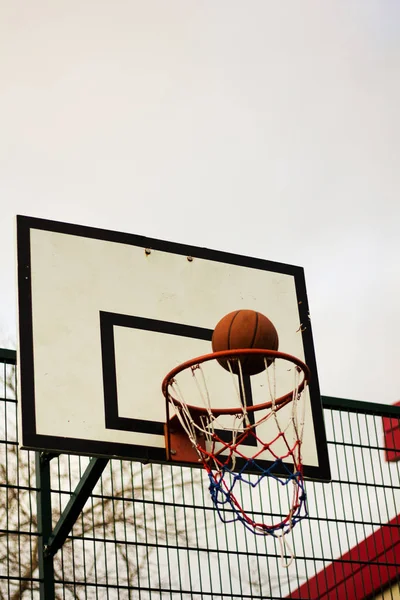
(150, 531)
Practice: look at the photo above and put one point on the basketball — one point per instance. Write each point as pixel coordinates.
(244, 329)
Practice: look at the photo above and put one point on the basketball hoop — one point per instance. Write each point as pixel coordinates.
(228, 442)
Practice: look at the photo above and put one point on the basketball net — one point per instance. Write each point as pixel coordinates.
(230, 444)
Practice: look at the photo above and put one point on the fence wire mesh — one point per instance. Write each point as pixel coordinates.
(151, 532)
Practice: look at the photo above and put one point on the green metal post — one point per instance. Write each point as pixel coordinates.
(75, 505)
(46, 567)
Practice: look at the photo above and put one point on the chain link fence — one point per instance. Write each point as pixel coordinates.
(151, 532)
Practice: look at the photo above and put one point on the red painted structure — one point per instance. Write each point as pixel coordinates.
(366, 569)
(391, 432)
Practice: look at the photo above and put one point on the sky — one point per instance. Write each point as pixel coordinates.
(263, 128)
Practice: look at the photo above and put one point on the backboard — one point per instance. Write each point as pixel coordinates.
(103, 316)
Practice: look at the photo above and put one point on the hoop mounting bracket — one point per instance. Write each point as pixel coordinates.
(178, 446)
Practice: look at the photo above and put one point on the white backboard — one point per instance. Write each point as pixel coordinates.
(103, 316)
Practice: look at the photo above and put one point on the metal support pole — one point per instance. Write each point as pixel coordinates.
(51, 541)
(46, 567)
(75, 505)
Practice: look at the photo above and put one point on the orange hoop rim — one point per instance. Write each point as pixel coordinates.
(237, 353)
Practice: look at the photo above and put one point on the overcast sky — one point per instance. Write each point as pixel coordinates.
(264, 128)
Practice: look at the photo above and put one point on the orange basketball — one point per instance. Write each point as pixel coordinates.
(245, 329)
